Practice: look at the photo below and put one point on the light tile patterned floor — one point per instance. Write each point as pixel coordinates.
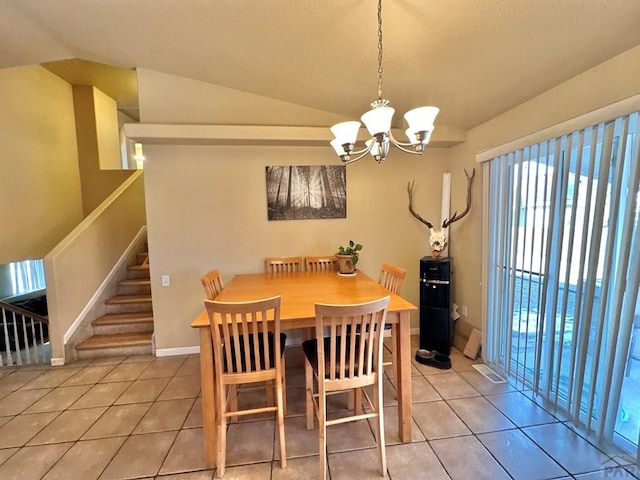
(140, 418)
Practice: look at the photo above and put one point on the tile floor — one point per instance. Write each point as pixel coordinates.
(140, 418)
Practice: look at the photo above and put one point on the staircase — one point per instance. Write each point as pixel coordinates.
(127, 326)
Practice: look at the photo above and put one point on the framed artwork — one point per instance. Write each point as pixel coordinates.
(306, 192)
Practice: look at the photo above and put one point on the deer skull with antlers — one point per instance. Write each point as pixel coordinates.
(438, 237)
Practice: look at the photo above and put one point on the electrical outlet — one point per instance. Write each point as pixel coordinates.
(463, 310)
(166, 280)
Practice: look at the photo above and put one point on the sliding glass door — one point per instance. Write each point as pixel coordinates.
(563, 274)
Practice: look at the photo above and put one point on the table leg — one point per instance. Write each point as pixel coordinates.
(402, 344)
(208, 404)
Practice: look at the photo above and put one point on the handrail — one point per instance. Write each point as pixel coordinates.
(23, 312)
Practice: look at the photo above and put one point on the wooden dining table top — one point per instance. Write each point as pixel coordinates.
(300, 291)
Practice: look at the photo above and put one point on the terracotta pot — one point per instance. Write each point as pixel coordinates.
(345, 264)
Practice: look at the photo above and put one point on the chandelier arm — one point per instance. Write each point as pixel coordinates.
(398, 143)
(401, 146)
(360, 154)
(406, 150)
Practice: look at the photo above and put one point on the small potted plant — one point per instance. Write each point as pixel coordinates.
(348, 258)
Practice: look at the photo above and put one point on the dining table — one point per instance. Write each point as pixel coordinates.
(299, 292)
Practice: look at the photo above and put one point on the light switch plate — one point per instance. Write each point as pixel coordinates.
(166, 280)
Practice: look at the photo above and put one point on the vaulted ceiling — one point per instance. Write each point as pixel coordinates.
(472, 58)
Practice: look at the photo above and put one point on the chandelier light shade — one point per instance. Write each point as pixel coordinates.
(378, 122)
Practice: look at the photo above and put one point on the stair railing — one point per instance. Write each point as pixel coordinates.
(24, 337)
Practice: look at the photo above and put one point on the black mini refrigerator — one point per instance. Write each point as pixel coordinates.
(436, 326)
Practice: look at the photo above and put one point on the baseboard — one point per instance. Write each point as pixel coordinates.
(90, 304)
(57, 362)
(170, 352)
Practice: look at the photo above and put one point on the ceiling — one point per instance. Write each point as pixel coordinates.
(472, 58)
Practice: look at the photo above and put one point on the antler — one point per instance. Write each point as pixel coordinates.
(413, 212)
(455, 216)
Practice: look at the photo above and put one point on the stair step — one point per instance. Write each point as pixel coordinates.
(138, 271)
(128, 322)
(127, 299)
(115, 345)
(123, 318)
(140, 257)
(135, 286)
(115, 340)
(135, 282)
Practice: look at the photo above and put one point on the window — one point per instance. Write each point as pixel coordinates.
(564, 274)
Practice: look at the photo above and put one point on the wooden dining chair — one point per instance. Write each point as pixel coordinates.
(283, 264)
(248, 347)
(321, 264)
(392, 277)
(350, 358)
(212, 284)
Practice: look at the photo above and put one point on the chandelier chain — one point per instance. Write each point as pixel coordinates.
(379, 49)
(378, 121)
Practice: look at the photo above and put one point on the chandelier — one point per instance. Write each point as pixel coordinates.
(378, 123)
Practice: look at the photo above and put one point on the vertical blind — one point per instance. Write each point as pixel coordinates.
(563, 271)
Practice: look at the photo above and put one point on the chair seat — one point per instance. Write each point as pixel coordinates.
(310, 350)
(252, 355)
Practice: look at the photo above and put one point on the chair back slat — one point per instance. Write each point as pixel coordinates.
(354, 343)
(241, 335)
(212, 284)
(327, 263)
(392, 277)
(283, 264)
(265, 337)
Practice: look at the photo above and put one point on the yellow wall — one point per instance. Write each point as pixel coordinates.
(40, 196)
(611, 81)
(98, 145)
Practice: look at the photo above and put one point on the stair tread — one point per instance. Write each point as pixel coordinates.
(115, 340)
(135, 282)
(138, 267)
(124, 299)
(123, 318)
